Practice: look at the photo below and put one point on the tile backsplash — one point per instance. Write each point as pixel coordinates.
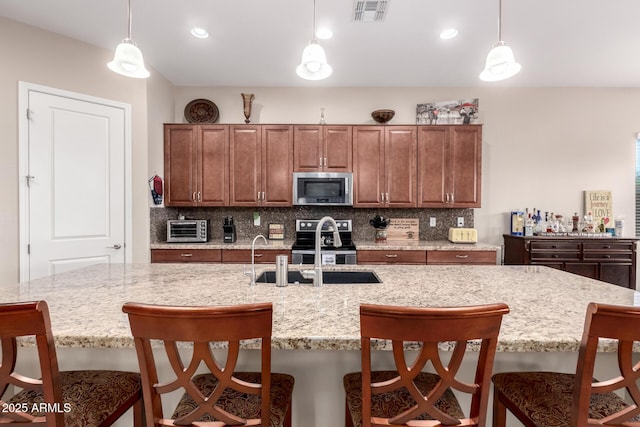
(243, 218)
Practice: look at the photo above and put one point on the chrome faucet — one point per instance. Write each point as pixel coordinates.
(252, 273)
(316, 273)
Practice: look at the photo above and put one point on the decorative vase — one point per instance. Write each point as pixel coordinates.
(247, 99)
(381, 235)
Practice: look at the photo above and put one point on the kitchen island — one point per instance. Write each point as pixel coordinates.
(316, 330)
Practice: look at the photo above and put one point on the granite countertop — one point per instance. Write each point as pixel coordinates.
(431, 245)
(547, 305)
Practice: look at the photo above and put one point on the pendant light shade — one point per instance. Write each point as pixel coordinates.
(501, 63)
(128, 59)
(314, 61)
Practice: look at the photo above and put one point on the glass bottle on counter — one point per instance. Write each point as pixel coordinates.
(528, 226)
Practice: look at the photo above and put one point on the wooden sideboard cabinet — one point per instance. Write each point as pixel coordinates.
(611, 260)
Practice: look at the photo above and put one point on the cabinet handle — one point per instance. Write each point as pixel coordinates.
(382, 197)
(199, 196)
(453, 199)
(325, 162)
(447, 198)
(607, 246)
(554, 256)
(257, 255)
(263, 199)
(258, 196)
(193, 197)
(321, 164)
(391, 255)
(462, 256)
(186, 255)
(607, 256)
(387, 197)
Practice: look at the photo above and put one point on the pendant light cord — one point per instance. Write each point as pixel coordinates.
(314, 20)
(129, 37)
(499, 20)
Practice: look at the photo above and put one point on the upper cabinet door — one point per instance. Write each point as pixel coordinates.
(449, 166)
(277, 165)
(368, 166)
(400, 166)
(322, 148)
(433, 148)
(213, 165)
(180, 145)
(245, 165)
(337, 149)
(307, 149)
(466, 166)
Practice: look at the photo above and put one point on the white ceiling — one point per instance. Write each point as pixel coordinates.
(260, 43)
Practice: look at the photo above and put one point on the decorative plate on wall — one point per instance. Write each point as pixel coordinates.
(201, 111)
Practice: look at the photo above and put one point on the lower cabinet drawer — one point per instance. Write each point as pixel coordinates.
(261, 256)
(555, 256)
(392, 257)
(185, 255)
(461, 257)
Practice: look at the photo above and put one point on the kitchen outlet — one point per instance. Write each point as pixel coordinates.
(432, 222)
(460, 221)
(256, 219)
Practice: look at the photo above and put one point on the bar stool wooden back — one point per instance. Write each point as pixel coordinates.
(58, 398)
(221, 397)
(570, 400)
(409, 396)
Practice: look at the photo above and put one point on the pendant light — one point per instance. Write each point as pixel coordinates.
(128, 59)
(501, 63)
(314, 61)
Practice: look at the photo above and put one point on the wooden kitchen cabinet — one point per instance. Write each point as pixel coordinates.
(611, 260)
(392, 256)
(186, 255)
(196, 165)
(461, 257)
(384, 166)
(261, 256)
(261, 165)
(449, 166)
(322, 148)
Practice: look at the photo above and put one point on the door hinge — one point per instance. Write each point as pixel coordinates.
(28, 248)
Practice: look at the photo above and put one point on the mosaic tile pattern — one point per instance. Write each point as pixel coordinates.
(245, 229)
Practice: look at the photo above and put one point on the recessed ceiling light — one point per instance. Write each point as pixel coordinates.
(324, 33)
(200, 33)
(449, 33)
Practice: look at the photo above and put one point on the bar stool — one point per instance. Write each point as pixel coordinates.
(400, 397)
(224, 395)
(59, 398)
(562, 399)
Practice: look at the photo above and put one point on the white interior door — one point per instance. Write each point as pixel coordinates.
(75, 183)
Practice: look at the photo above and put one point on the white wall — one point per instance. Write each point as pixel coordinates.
(47, 59)
(541, 147)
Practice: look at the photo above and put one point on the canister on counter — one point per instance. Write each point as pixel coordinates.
(282, 271)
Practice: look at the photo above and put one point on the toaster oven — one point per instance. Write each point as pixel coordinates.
(187, 230)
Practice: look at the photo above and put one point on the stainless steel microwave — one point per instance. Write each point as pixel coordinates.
(323, 188)
(187, 230)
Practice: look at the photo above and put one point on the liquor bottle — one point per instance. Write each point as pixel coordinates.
(575, 221)
(528, 226)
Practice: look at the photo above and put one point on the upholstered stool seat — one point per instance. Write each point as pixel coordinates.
(387, 404)
(545, 398)
(244, 405)
(50, 397)
(558, 399)
(92, 396)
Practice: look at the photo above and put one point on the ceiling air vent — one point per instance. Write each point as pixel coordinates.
(370, 10)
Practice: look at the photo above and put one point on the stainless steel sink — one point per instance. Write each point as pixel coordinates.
(328, 277)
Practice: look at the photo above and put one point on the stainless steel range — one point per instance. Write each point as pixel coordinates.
(303, 249)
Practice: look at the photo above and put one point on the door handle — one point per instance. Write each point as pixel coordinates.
(116, 246)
